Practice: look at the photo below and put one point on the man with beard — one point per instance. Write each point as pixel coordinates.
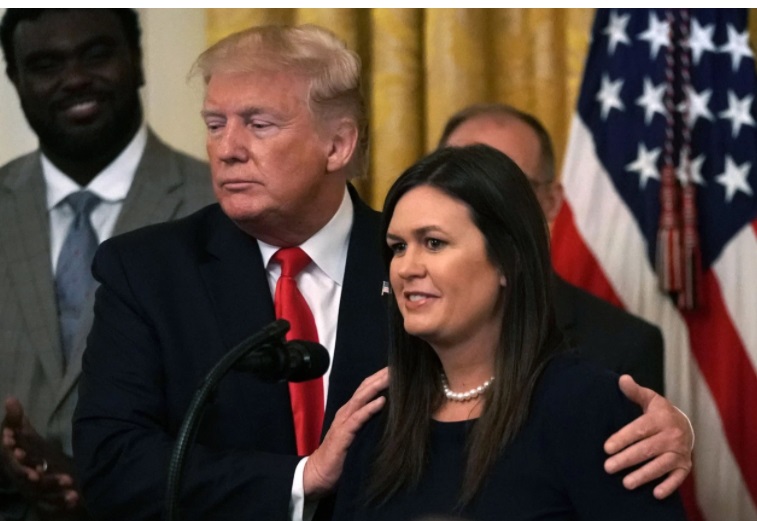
(99, 171)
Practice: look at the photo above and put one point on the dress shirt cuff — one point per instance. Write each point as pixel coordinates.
(691, 427)
(299, 508)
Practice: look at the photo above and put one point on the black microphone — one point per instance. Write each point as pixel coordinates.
(295, 361)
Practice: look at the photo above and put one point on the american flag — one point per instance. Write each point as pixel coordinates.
(677, 88)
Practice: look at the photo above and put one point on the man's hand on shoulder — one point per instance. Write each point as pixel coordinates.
(324, 466)
(661, 439)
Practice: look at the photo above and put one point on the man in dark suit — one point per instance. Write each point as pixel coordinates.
(285, 132)
(77, 74)
(618, 340)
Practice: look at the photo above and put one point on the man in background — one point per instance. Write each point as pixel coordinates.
(99, 171)
(618, 340)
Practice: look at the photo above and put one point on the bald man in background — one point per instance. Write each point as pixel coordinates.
(614, 338)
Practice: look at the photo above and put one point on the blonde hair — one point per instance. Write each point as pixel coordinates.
(308, 50)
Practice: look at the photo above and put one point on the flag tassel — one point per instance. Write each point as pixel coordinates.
(689, 296)
(669, 254)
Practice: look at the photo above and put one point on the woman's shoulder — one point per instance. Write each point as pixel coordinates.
(572, 372)
(572, 387)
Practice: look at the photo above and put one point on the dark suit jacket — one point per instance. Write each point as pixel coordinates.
(167, 185)
(619, 341)
(173, 299)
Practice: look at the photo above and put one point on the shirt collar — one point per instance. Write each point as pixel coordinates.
(328, 247)
(111, 184)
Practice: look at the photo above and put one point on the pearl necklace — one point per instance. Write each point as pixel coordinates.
(467, 395)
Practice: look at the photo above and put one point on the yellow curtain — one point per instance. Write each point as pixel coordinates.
(422, 65)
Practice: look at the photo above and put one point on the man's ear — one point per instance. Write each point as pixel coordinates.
(343, 137)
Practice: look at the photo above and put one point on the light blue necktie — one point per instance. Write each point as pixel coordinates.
(73, 277)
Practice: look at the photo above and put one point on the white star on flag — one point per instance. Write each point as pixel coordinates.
(734, 178)
(737, 46)
(739, 112)
(698, 102)
(645, 165)
(652, 100)
(657, 35)
(616, 31)
(609, 95)
(695, 170)
(701, 40)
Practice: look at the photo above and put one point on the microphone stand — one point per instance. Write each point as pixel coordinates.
(274, 331)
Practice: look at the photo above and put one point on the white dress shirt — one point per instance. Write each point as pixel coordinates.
(321, 285)
(111, 185)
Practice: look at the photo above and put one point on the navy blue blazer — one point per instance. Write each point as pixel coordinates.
(173, 299)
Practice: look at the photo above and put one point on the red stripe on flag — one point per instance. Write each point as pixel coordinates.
(689, 498)
(574, 262)
(728, 371)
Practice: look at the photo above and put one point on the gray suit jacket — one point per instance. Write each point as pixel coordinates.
(167, 185)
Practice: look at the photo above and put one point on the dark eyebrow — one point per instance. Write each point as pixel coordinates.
(420, 232)
(425, 229)
(102, 39)
(54, 52)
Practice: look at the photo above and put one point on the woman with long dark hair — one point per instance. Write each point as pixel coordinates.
(487, 417)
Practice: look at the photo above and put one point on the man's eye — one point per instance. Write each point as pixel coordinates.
(213, 125)
(43, 65)
(260, 125)
(98, 53)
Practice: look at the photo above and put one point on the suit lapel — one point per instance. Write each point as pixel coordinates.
(24, 236)
(361, 342)
(73, 369)
(236, 280)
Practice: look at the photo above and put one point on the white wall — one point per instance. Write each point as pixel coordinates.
(171, 40)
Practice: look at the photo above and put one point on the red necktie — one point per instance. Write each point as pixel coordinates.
(306, 397)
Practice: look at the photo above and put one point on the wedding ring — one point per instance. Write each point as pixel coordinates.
(43, 466)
